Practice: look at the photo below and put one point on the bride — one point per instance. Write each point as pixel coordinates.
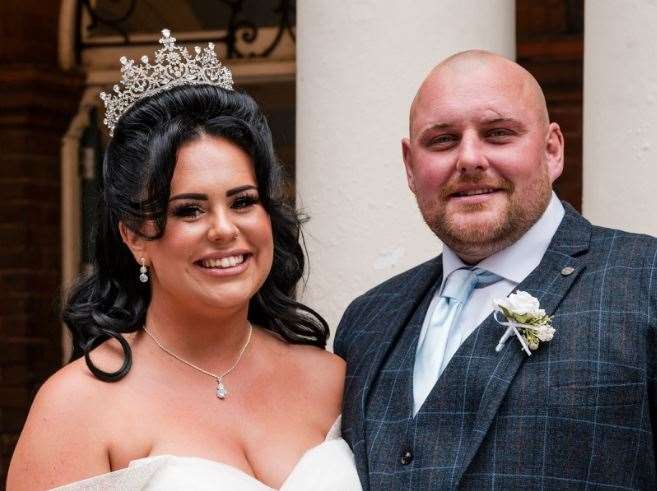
(197, 369)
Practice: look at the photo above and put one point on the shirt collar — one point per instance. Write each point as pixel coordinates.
(515, 262)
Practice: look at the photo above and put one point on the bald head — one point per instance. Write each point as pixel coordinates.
(487, 69)
(482, 154)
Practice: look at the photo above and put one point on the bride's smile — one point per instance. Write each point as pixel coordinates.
(217, 247)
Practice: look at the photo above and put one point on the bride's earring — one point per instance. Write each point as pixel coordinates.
(143, 271)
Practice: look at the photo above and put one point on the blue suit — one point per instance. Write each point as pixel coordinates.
(580, 413)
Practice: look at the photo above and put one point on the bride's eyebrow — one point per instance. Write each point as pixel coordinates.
(240, 189)
(193, 196)
(204, 197)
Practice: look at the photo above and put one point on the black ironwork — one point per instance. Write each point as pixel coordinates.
(113, 23)
(286, 9)
(235, 25)
(239, 31)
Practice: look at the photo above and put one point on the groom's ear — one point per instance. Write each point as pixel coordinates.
(554, 151)
(408, 163)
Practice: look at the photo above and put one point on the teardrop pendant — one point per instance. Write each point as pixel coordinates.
(222, 391)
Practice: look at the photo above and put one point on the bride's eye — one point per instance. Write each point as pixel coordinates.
(187, 210)
(245, 201)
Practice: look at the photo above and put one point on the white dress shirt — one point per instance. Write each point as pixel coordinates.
(512, 264)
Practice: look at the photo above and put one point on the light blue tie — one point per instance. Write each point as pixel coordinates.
(430, 359)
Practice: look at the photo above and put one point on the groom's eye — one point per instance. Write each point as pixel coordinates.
(446, 140)
(499, 134)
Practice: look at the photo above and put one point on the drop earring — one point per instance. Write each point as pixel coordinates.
(143, 271)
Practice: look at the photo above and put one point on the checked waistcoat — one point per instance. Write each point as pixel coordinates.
(428, 449)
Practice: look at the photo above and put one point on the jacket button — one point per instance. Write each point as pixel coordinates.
(407, 457)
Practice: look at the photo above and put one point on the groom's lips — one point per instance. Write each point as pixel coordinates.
(473, 194)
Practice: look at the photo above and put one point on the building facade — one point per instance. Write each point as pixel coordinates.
(336, 80)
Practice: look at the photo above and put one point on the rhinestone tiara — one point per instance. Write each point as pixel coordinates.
(173, 66)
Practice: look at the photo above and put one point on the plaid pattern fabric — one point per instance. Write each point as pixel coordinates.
(578, 414)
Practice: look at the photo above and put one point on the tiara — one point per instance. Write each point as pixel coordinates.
(173, 66)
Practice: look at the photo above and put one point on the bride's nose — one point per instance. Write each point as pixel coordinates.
(222, 228)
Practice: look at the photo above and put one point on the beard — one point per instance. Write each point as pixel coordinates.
(475, 231)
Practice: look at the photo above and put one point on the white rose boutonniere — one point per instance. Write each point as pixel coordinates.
(525, 318)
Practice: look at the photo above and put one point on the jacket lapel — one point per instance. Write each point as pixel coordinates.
(393, 318)
(550, 283)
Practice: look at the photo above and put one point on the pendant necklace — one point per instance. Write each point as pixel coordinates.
(221, 390)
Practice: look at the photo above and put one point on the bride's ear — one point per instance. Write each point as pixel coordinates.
(135, 242)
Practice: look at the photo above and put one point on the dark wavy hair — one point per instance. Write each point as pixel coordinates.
(137, 170)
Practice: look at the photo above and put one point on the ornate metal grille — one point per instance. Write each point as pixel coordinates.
(239, 30)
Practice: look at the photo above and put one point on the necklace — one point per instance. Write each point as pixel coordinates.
(222, 391)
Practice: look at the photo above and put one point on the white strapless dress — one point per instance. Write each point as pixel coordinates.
(327, 467)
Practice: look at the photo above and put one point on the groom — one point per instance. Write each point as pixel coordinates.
(429, 402)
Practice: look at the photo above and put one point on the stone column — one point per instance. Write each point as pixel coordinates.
(620, 115)
(359, 65)
(37, 101)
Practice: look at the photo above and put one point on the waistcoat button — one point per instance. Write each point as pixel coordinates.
(407, 457)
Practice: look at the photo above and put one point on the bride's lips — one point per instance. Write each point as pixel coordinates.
(226, 264)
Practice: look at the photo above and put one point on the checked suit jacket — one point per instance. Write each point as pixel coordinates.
(580, 413)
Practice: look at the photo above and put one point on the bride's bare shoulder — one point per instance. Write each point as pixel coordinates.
(74, 390)
(75, 382)
(313, 361)
(323, 363)
(63, 439)
(316, 372)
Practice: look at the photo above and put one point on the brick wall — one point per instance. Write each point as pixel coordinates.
(550, 43)
(37, 102)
